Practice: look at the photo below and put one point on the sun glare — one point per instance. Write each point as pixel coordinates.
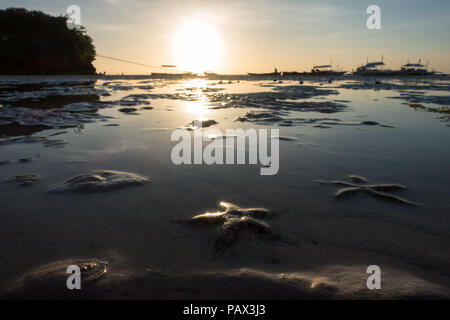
(197, 47)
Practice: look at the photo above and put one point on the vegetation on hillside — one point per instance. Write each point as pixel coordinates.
(32, 42)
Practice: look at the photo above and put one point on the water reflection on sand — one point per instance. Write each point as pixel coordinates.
(70, 126)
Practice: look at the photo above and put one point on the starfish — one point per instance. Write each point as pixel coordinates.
(232, 220)
(375, 190)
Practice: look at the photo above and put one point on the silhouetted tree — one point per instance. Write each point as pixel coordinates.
(32, 42)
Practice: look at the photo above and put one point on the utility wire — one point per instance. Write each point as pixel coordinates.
(137, 63)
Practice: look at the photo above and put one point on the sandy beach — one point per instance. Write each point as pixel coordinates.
(56, 128)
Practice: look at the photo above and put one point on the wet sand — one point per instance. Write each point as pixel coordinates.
(330, 130)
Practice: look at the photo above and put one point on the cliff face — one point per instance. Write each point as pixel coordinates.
(32, 42)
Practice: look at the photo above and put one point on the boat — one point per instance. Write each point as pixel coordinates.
(291, 73)
(275, 73)
(377, 69)
(324, 70)
(172, 75)
(415, 69)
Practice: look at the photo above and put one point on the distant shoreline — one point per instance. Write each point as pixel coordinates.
(235, 76)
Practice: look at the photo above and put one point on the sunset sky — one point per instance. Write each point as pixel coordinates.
(257, 35)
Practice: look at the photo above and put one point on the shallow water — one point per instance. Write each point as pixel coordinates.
(131, 228)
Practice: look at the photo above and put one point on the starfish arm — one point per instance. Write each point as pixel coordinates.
(356, 178)
(342, 183)
(390, 197)
(256, 212)
(346, 192)
(386, 187)
(209, 217)
(229, 206)
(256, 224)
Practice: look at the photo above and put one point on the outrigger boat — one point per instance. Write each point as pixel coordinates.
(415, 69)
(324, 70)
(375, 68)
(318, 70)
(275, 73)
(409, 69)
(174, 74)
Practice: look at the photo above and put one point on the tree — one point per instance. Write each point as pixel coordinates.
(32, 42)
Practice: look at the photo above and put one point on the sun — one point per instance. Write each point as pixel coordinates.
(197, 47)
